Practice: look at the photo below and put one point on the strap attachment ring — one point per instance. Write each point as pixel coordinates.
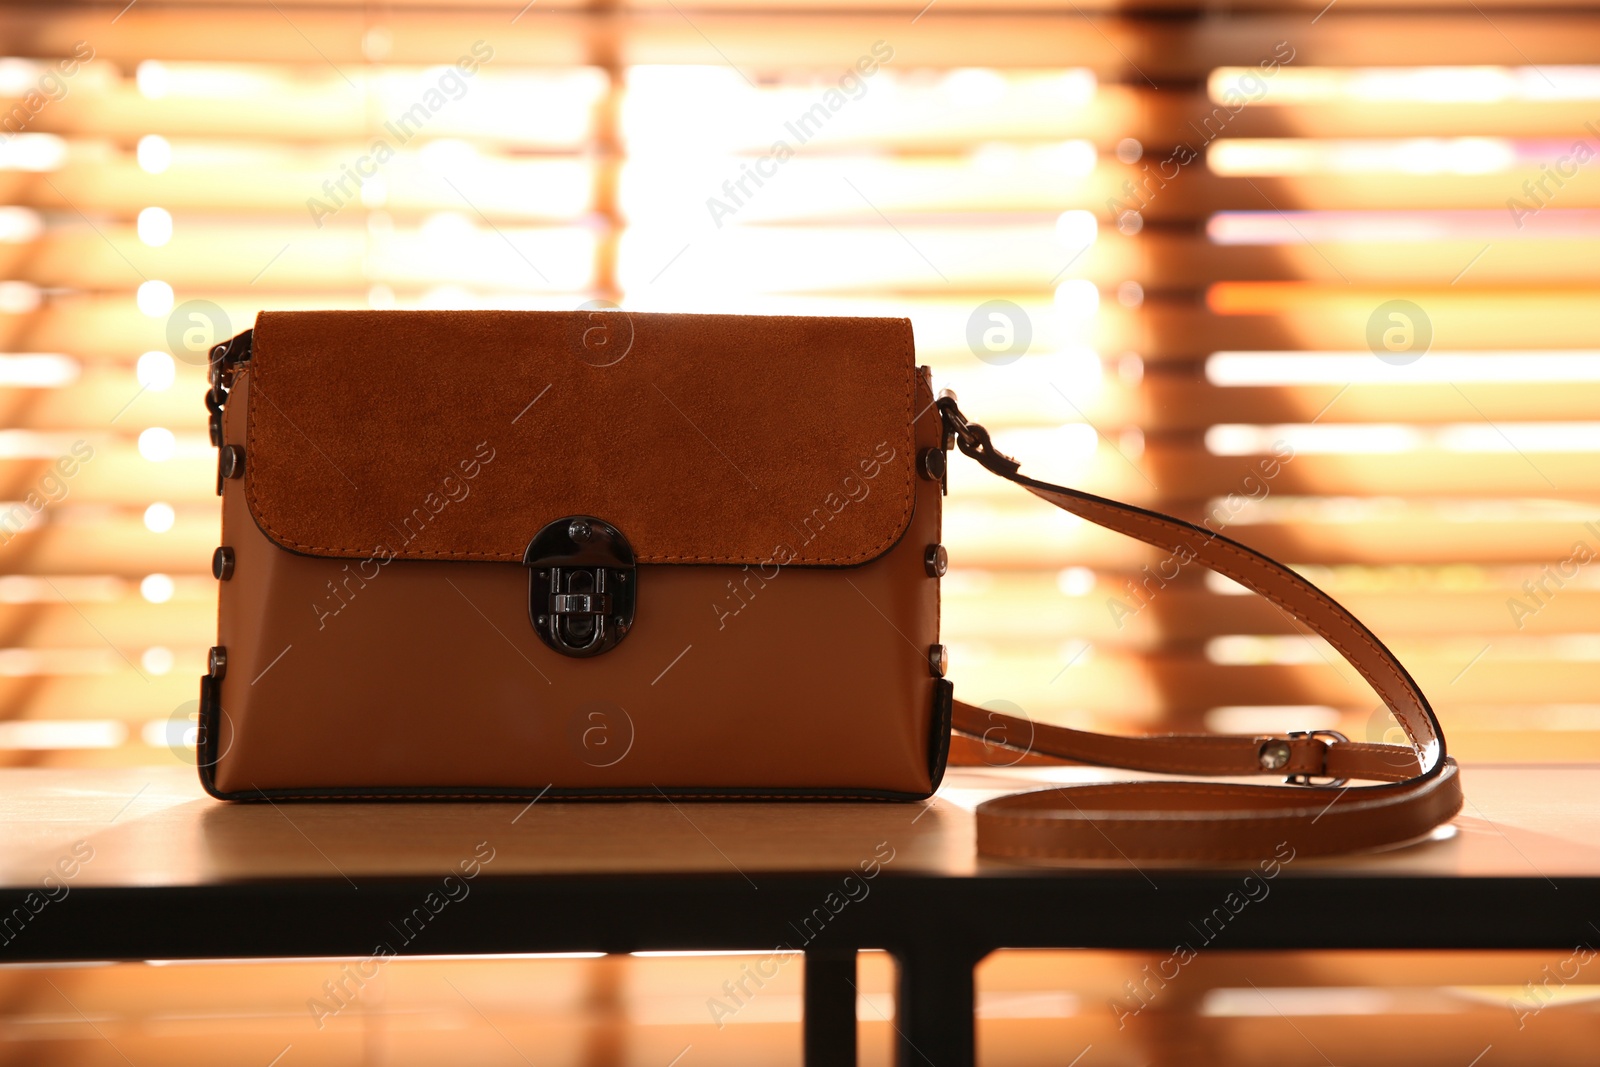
(972, 438)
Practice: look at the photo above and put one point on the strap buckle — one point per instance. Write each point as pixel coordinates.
(1333, 737)
(972, 438)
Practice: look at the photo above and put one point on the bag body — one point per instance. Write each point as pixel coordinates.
(602, 554)
(591, 553)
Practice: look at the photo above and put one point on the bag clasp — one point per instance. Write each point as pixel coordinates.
(582, 585)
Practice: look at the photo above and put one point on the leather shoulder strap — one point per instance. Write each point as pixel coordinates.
(1419, 785)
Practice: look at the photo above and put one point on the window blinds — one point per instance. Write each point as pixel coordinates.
(1323, 274)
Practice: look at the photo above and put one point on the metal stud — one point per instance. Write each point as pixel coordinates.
(936, 560)
(938, 660)
(231, 461)
(579, 530)
(1274, 755)
(222, 564)
(932, 465)
(217, 662)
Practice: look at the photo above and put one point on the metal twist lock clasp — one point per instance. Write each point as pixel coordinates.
(582, 585)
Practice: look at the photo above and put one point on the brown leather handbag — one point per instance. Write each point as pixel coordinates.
(511, 555)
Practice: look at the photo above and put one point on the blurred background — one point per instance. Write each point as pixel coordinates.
(1324, 273)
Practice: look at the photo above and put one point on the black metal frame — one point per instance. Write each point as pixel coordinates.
(937, 927)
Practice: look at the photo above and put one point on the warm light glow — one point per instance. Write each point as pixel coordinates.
(156, 371)
(1074, 86)
(169, 733)
(974, 87)
(18, 298)
(1398, 227)
(1286, 157)
(43, 662)
(43, 734)
(1077, 298)
(1074, 159)
(19, 225)
(655, 95)
(1232, 439)
(376, 44)
(154, 154)
(153, 79)
(1251, 650)
(1416, 85)
(933, 186)
(18, 76)
(1075, 581)
(1259, 719)
(1506, 436)
(32, 152)
(1342, 368)
(78, 589)
(155, 298)
(155, 226)
(158, 444)
(37, 370)
(156, 588)
(1069, 442)
(449, 155)
(159, 517)
(1335, 297)
(1280, 1003)
(445, 230)
(1077, 229)
(1227, 439)
(31, 444)
(447, 298)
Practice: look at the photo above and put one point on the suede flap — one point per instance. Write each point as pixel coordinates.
(460, 434)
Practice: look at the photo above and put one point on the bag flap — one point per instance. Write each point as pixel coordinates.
(458, 435)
